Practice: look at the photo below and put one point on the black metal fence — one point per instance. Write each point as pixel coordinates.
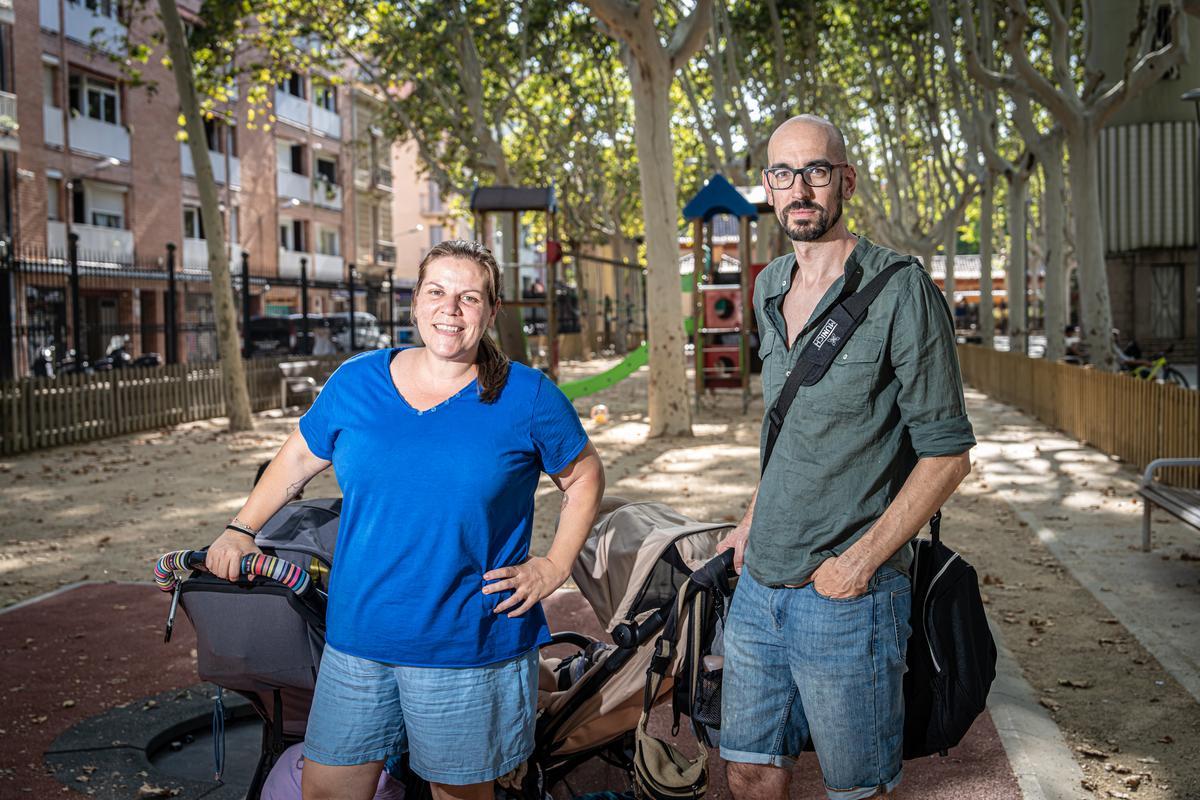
(75, 311)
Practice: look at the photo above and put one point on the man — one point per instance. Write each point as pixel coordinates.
(816, 637)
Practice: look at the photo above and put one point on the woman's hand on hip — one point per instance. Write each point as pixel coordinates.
(225, 554)
(530, 583)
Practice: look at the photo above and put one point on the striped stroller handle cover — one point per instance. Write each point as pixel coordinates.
(167, 567)
(277, 569)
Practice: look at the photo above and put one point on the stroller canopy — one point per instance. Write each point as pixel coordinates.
(304, 526)
(631, 561)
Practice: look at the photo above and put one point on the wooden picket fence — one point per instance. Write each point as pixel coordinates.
(68, 409)
(1134, 420)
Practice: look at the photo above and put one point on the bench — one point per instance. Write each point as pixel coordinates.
(1182, 503)
(293, 380)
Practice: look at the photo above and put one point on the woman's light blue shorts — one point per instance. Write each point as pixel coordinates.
(462, 726)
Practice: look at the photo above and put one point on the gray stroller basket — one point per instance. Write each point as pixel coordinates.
(258, 638)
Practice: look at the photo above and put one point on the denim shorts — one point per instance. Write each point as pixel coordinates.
(802, 666)
(461, 725)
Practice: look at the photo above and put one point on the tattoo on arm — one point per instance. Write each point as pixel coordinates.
(294, 490)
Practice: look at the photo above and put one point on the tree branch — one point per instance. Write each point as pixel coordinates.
(689, 34)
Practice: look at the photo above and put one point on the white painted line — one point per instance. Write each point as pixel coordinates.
(66, 588)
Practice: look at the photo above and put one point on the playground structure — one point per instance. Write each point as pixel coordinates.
(718, 314)
(721, 313)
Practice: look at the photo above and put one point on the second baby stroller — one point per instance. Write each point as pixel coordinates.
(633, 566)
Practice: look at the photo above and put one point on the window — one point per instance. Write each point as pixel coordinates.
(233, 226)
(105, 205)
(50, 87)
(435, 199)
(102, 8)
(291, 235)
(54, 199)
(328, 244)
(1166, 301)
(290, 157)
(193, 223)
(293, 84)
(212, 134)
(105, 219)
(78, 205)
(437, 235)
(327, 170)
(95, 97)
(325, 96)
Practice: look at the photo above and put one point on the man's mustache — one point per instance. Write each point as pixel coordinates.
(802, 205)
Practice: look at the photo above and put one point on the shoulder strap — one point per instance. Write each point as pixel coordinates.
(840, 323)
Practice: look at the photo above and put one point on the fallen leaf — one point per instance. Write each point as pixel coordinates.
(147, 790)
(68, 704)
(1166, 739)
(1046, 702)
(1133, 782)
(1074, 684)
(1091, 752)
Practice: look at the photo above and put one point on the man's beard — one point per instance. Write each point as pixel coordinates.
(812, 229)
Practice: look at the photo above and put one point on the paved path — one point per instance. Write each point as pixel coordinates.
(1081, 503)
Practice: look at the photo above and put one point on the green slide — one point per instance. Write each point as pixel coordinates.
(627, 366)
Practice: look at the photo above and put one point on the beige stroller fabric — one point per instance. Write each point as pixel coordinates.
(627, 541)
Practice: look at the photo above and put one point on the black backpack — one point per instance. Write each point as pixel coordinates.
(951, 654)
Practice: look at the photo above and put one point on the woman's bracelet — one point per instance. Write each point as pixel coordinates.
(241, 527)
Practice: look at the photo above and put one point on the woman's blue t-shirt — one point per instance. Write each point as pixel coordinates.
(433, 500)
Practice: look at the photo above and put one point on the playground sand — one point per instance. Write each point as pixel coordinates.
(105, 510)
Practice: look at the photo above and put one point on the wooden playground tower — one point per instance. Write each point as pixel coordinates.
(721, 309)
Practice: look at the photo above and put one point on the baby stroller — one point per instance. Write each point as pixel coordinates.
(271, 660)
(640, 559)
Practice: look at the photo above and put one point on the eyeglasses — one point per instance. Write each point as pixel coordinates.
(815, 175)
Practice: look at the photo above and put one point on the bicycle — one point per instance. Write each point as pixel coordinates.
(1159, 370)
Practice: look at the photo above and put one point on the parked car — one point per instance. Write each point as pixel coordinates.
(283, 335)
(367, 333)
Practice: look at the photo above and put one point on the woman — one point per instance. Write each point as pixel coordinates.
(434, 617)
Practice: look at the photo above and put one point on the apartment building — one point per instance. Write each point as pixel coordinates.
(98, 158)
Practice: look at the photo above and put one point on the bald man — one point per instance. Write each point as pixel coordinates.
(816, 636)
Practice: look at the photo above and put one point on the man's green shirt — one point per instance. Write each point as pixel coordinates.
(892, 396)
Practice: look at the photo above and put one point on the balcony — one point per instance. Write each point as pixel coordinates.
(291, 108)
(290, 184)
(326, 194)
(289, 263)
(96, 243)
(383, 178)
(195, 255)
(99, 138)
(330, 268)
(8, 122)
(87, 27)
(326, 122)
(52, 125)
(385, 253)
(188, 169)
